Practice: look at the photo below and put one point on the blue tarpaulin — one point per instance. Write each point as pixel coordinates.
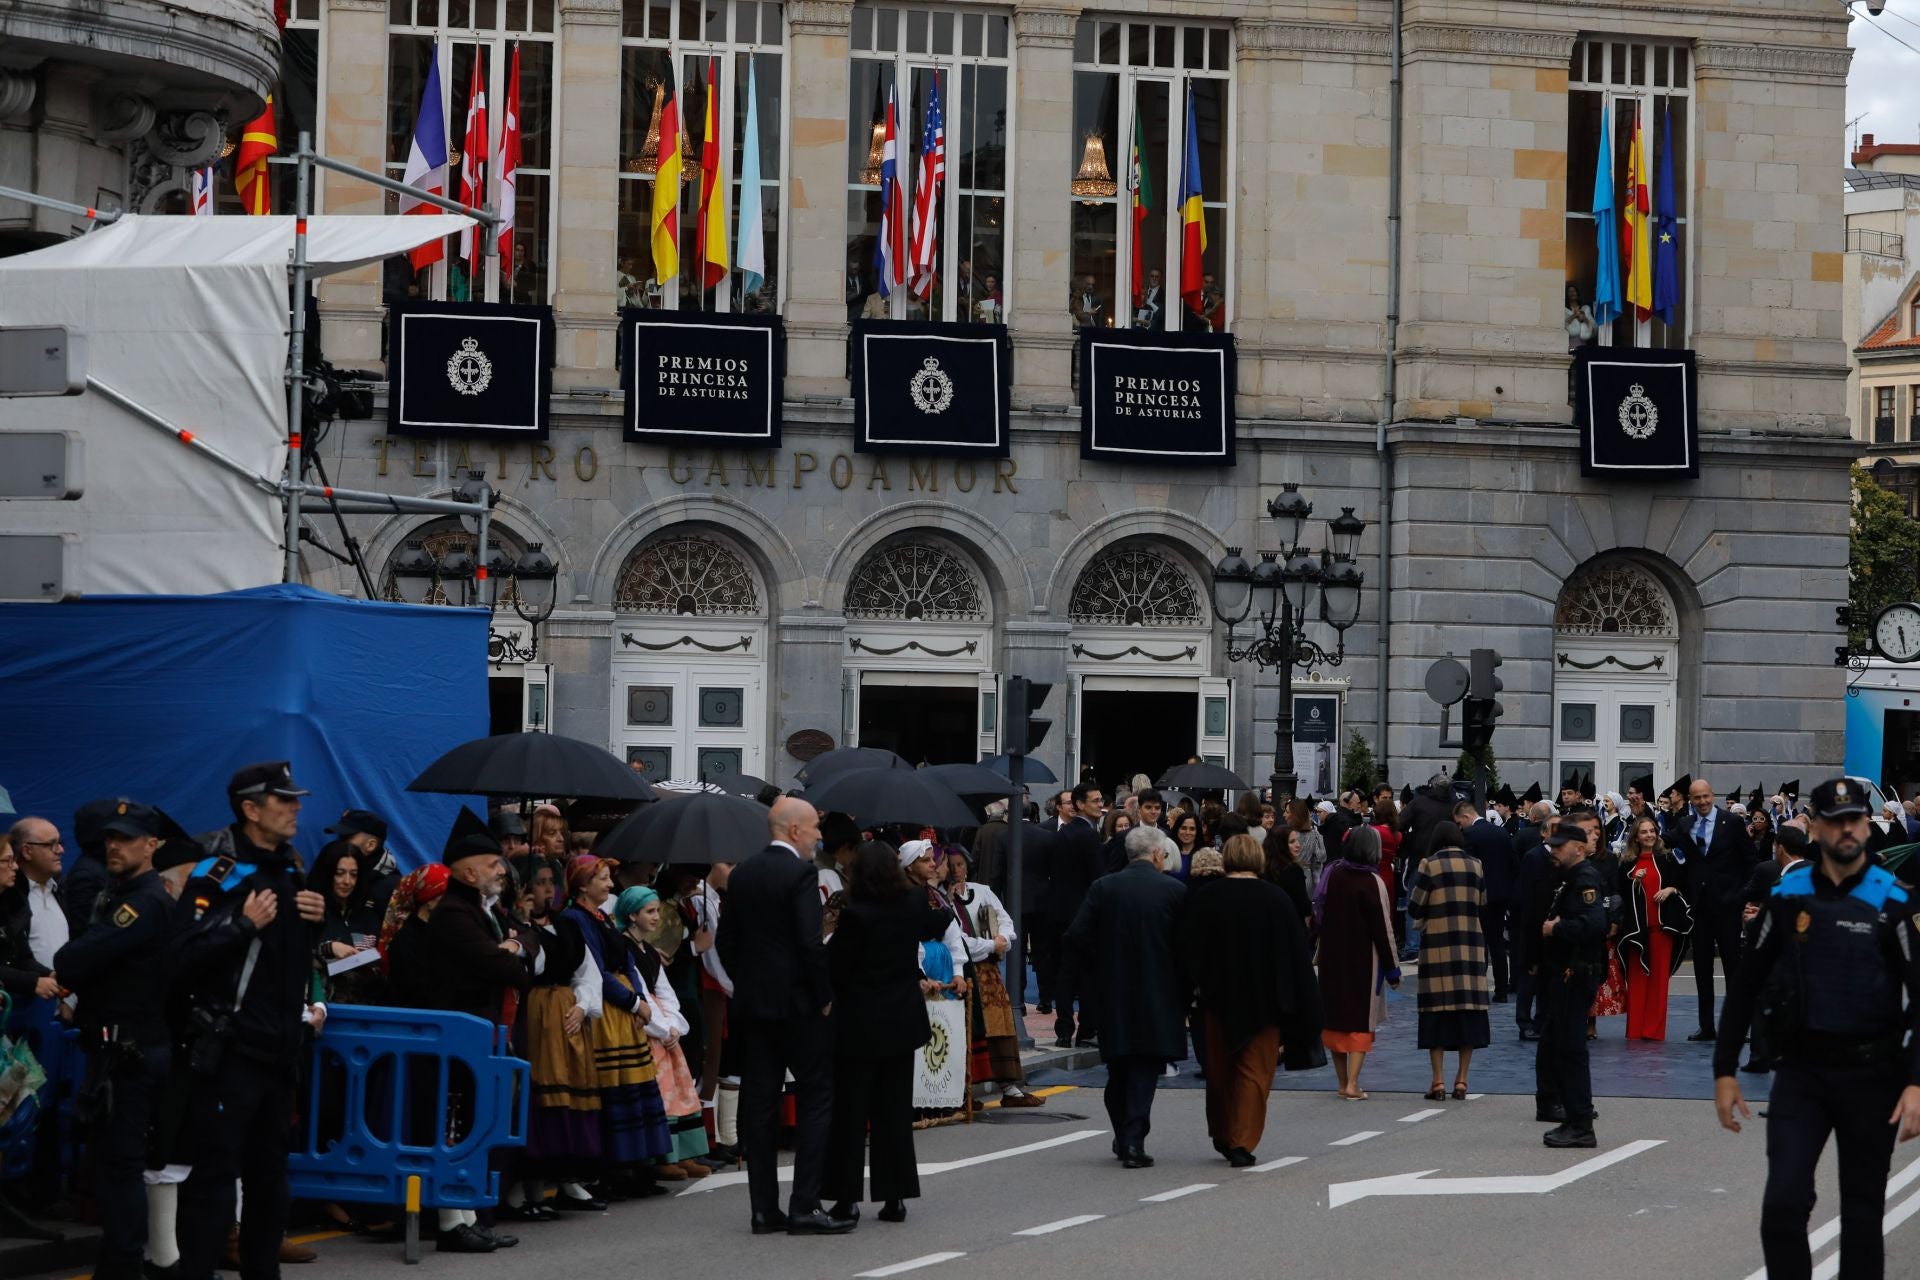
(161, 698)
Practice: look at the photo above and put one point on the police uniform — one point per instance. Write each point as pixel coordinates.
(1829, 967)
(1573, 961)
(245, 993)
(115, 969)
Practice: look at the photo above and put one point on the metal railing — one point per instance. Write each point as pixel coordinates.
(1885, 244)
(1883, 429)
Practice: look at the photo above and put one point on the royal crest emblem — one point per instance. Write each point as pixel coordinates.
(931, 388)
(1639, 416)
(468, 369)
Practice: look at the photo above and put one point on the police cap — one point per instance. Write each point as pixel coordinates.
(267, 778)
(360, 822)
(1839, 798)
(131, 818)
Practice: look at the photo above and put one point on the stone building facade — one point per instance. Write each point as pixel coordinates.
(713, 605)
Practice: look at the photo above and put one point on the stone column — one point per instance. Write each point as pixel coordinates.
(355, 131)
(587, 171)
(1041, 230)
(815, 307)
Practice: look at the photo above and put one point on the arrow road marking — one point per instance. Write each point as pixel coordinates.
(939, 1166)
(1419, 1184)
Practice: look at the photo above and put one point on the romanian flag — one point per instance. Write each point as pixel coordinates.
(666, 192)
(1140, 182)
(710, 240)
(1636, 226)
(258, 141)
(1193, 223)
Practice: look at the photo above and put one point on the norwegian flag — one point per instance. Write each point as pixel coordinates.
(509, 165)
(926, 196)
(890, 254)
(473, 161)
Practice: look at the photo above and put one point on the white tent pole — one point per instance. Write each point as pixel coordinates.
(184, 436)
(297, 352)
(102, 216)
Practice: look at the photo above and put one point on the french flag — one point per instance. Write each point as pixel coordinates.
(890, 254)
(427, 161)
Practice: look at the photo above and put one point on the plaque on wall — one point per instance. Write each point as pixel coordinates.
(698, 377)
(1165, 398)
(1638, 412)
(469, 369)
(805, 744)
(931, 388)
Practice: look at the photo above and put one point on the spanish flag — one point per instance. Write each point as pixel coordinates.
(666, 193)
(711, 239)
(1636, 226)
(1193, 221)
(258, 141)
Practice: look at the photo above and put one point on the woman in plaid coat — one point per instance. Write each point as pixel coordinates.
(1445, 897)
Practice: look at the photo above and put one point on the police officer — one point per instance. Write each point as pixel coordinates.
(244, 948)
(115, 969)
(1830, 958)
(1573, 960)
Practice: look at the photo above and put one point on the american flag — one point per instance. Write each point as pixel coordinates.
(890, 254)
(926, 195)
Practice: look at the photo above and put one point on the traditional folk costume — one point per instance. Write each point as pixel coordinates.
(563, 1114)
(666, 1023)
(995, 1041)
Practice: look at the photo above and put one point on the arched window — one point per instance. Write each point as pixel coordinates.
(439, 537)
(1137, 586)
(688, 575)
(915, 581)
(1615, 597)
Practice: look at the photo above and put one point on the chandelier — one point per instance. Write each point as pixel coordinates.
(648, 163)
(876, 152)
(1095, 181)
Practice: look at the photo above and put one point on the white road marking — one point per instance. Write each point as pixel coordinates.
(1827, 1233)
(1177, 1192)
(719, 1180)
(1419, 1184)
(1475, 1097)
(911, 1264)
(1898, 1214)
(1271, 1165)
(1428, 1114)
(1352, 1138)
(1048, 1228)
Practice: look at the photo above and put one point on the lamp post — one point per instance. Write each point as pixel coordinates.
(1278, 594)
(534, 575)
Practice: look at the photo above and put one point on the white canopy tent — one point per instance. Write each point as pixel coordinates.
(188, 317)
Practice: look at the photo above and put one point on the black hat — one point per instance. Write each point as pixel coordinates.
(1644, 785)
(1733, 797)
(268, 778)
(1534, 795)
(1684, 785)
(1406, 796)
(469, 838)
(1505, 796)
(1791, 790)
(506, 822)
(90, 818)
(1755, 800)
(360, 822)
(838, 830)
(131, 818)
(1586, 786)
(1840, 798)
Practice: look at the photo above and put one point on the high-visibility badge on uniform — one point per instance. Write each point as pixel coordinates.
(1588, 895)
(1802, 922)
(125, 916)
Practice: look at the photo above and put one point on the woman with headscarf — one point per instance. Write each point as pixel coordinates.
(633, 1120)
(1356, 956)
(1445, 897)
(942, 960)
(1614, 818)
(403, 936)
(987, 927)
(637, 914)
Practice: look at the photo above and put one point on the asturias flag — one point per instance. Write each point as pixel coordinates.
(258, 141)
(1666, 231)
(1606, 283)
(1140, 183)
(710, 240)
(1193, 222)
(427, 160)
(1636, 213)
(753, 244)
(666, 191)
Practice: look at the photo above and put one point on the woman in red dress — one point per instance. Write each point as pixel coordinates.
(1653, 937)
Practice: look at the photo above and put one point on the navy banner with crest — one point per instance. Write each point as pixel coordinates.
(469, 369)
(704, 378)
(931, 388)
(1165, 398)
(1638, 411)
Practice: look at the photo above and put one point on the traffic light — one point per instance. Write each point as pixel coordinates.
(1481, 710)
(1026, 730)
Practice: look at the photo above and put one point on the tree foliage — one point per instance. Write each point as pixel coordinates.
(1358, 768)
(1883, 549)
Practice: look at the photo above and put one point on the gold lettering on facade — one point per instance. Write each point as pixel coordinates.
(928, 480)
(677, 469)
(840, 471)
(586, 463)
(879, 476)
(964, 477)
(541, 459)
(803, 462)
(381, 443)
(762, 474)
(1004, 470)
(421, 465)
(715, 467)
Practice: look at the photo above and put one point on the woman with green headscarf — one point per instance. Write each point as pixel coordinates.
(636, 913)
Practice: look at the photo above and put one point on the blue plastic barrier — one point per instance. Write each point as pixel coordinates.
(376, 1113)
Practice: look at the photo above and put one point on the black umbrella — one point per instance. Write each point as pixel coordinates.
(1203, 777)
(1034, 772)
(840, 759)
(735, 784)
(877, 797)
(532, 764)
(970, 779)
(703, 828)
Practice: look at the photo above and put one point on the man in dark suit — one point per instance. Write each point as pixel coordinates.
(771, 946)
(1717, 854)
(1500, 872)
(1123, 936)
(1533, 891)
(1062, 811)
(1077, 862)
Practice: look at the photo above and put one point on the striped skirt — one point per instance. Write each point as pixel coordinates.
(563, 1115)
(633, 1119)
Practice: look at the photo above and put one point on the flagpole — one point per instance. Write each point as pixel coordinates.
(297, 352)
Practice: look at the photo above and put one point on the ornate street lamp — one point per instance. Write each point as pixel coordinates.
(1278, 593)
(534, 578)
(414, 570)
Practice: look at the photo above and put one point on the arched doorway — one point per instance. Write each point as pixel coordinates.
(1615, 673)
(1140, 661)
(690, 666)
(919, 663)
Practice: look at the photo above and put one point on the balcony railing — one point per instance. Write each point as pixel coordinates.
(1884, 244)
(1883, 429)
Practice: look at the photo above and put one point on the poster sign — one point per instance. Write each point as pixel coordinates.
(1160, 397)
(1638, 412)
(1316, 743)
(469, 369)
(940, 1066)
(931, 388)
(695, 377)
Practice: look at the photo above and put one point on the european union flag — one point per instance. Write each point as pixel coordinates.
(1666, 233)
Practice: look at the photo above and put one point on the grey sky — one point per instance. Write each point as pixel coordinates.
(1884, 81)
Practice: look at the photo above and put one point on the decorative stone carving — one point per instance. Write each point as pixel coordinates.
(1487, 44)
(1615, 597)
(915, 581)
(1042, 27)
(820, 17)
(688, 576)
(149, 177)
(1772, 62)
(1136, 586)
(188, 138)
(17, 91)
(1261, 40)
(122, 117)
